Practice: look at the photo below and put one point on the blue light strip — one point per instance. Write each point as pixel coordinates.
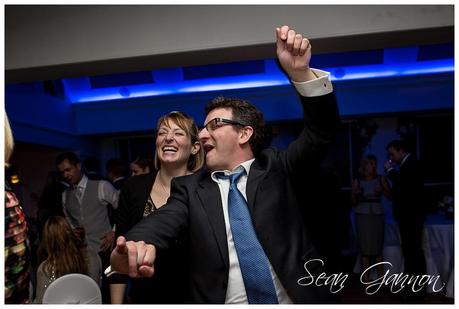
(78, 89)
(392, 70)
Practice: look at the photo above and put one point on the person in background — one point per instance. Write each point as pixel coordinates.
(50, 202)
(91, 167)
(367, 191)
(178, 153)
(408, 207)
(141, 165)
(85, 202)
(85, 207)
(62, 252)
(116, 172)
(246, 238)
(17, 246)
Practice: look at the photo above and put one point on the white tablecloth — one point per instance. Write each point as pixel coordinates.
(438, 245)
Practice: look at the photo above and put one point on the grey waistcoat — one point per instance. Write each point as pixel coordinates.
(92, 214)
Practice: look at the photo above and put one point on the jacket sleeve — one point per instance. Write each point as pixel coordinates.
(409, 186)
(393, 177)
(122, 213)
(321, 120)
(162, 227)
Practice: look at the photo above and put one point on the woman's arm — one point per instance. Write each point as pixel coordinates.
(356, 192)
(386, 187)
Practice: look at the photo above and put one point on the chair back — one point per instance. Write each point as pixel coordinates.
(73, 289)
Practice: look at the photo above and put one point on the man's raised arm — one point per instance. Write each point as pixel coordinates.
(294, 54)
(320, 112)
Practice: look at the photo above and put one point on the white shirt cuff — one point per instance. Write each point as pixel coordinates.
(316, 87)
(108, 271)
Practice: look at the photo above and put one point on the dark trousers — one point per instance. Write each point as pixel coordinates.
(411, 237)
(413, 254)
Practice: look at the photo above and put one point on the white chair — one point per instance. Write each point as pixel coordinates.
(73, 289)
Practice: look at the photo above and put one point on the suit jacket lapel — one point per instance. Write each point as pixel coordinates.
(255, 175)
(209, 195)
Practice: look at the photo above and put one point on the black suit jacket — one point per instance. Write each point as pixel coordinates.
(119, 183)
(166, 287)
(195, 209)
(407, 191)
(131, 204)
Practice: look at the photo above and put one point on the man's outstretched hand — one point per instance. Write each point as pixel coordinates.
(133, 258)
(294, 54)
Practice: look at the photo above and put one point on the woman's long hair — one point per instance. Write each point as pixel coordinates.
(64, 251)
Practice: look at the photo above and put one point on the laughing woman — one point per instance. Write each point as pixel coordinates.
(178, 153)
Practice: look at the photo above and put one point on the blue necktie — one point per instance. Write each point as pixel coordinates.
(258, 283)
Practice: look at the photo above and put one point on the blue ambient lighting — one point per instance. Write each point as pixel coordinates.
(392, 70)
(78, 90)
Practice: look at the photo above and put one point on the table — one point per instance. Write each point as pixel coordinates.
(438, 245)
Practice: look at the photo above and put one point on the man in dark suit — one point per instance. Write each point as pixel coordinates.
(408, 206)
(116, 172)
(206, 208)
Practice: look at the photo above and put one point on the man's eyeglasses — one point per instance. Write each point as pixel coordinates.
(219, 122)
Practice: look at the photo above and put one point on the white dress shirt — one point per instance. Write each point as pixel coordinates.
(401, 163)
(235, 293)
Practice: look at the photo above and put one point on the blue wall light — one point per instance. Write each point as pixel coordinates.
(391, 70)
(79, 90)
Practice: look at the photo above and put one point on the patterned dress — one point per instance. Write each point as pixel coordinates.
(17, 251)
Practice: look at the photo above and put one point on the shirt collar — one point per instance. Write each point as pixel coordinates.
(244, 165)
(404, 159)
(119, 178)
(83, 182)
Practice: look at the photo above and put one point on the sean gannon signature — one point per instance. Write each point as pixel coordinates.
(397, 282)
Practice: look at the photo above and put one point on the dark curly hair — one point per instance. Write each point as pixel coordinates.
(71, 156)
(397, 144)
(247, 114)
